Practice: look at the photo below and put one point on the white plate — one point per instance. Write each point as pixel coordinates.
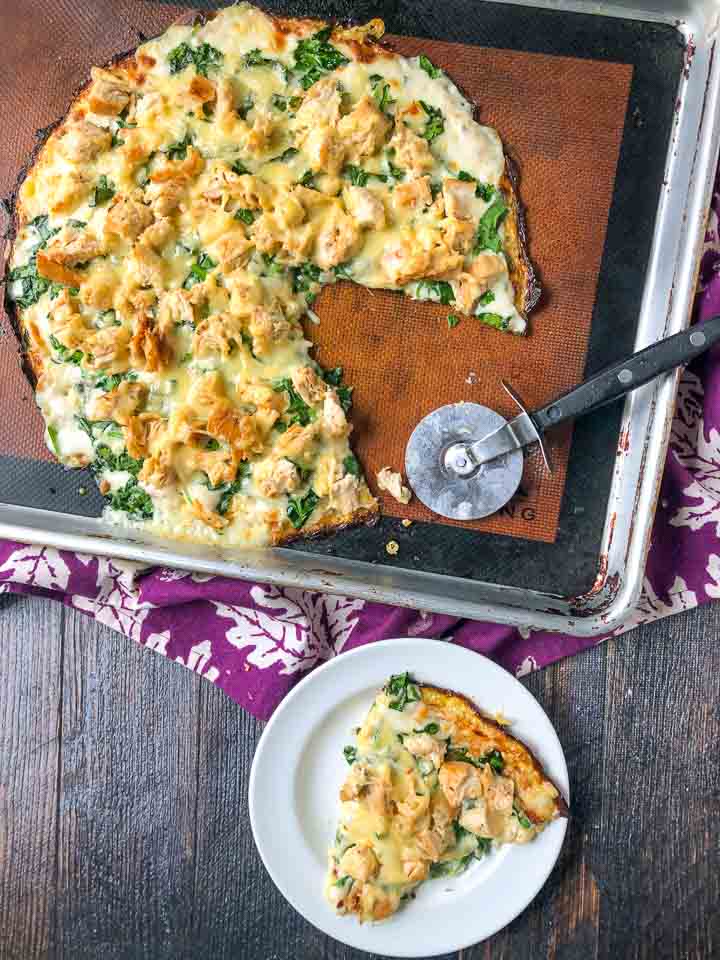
(299, 767)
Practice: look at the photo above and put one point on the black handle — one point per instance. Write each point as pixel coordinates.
(621, 378)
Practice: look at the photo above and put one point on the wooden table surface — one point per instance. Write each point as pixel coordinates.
(123, 804)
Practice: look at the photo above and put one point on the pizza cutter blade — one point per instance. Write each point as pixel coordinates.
(465, 461)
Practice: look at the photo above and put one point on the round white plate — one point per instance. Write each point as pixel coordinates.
(299, 767)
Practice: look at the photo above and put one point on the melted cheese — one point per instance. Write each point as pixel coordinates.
(213, 196)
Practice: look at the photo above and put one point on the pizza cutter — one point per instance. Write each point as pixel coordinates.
(464, 461)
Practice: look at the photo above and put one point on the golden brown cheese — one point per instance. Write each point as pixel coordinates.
(202, 192)
(433, 785)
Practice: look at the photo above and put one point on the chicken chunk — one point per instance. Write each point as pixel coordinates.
(325, 150)
(459, 780)
(459, 234)
(487, 267)
(344, 496)
(459, 196)
(360, 863)
(166, 197)
(236, 428)
(275, 477)
(337, 240)
(157, 472)
(405, 260)
(158, 234)
(412, 152)
(233, 250)
(267, 327)
(148, 350)
(365, 207)
(120, 404)
(423, 745)
(364, 130)
(217, 334)
(413, 194)
(73, 245)
(127, 217)
(391, 482)
(83, 140)
(334, 421)
(320, 107)
(109, 94)
(309, 385)
(146, 268)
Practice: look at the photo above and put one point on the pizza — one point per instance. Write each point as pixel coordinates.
(433, 786)
(173, 233)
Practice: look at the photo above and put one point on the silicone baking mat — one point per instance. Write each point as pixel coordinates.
(563, 118)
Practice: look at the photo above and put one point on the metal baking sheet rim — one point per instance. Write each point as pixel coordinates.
(647, 417)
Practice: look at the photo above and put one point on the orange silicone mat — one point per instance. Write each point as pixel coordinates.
(561, 119)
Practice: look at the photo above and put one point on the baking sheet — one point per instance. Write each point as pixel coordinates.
(51, 49)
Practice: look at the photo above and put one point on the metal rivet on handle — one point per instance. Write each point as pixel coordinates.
(625, 376)
(697, 339)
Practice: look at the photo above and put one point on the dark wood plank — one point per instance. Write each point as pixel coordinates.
(156, 858)
(30, 698)
(128, 792)
(656, 854)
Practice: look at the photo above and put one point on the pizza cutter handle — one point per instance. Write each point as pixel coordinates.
(628, 375)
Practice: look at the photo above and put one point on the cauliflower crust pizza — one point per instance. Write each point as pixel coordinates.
(176, 227)
(433, 785)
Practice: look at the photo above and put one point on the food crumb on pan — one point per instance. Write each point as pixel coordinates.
(392, 547)
(406, 522)
(391, 481)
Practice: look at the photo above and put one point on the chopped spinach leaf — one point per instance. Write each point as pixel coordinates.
(178, 150)
(133, 500)
(43, 229)
(351, 465)
(359, 177)
(297, 409)
(105, 459)
(487, 237)
(305, 278)
(522, 818)
(300, 509)
(453, 320)
(32, 285)
(104, 191)
(333, 377)
(315, 57)
(395, 172)
(430, 728)
(403, 689)
(429, 67)
(344, 393)
(272, 267)
(307, 180)
(255, 58)
(285, 103)
(486, 298)
(64, 354)
(381, 92)
(435, 124)
(350, 754)
(53, 435)
(450, 868)
(204, 58)
(239, 168)
(342, 271)
(245, 216)
(244, 108)
(494, 320)
(107, 382)
(199, 270)
(438, 290)
(285, 155)
(233, 488)
(483, 190)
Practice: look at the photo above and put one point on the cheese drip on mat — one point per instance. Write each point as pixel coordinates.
(177, 228)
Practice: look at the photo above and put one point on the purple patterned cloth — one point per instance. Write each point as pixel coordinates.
(255, 641)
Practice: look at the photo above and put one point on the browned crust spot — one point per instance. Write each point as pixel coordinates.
(449, 700)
